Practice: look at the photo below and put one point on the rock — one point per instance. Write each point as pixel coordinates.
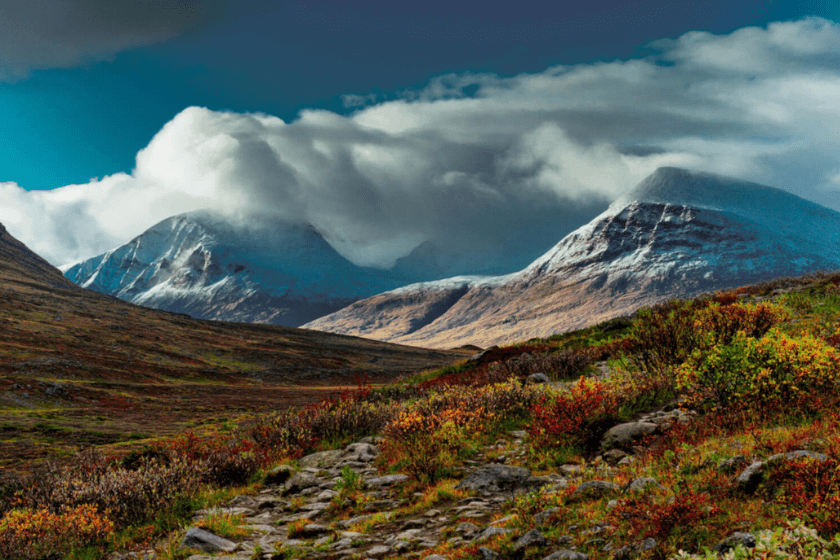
(322, 459)
(532, 538)
(386, 481)
(487, 554)
(747, 540)
(537, 378)
(300, 481)
(642, 484)
(490, 532)
(378, 550)
(360, 452)
(495, 478)
(624, 435)
(432, 513)
(567, 555)
(479, 356)
(545, 516)
(435, 557)
(594, 489)
(312, 530)
(279, 475)
(634, 549)
(570, 470)
(731, 466)
(466, 529)
(206, 541)
(613, 456)
(752, 476)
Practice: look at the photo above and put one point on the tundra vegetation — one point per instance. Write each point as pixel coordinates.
(755, 369)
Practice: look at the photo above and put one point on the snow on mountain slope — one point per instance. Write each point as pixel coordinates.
(677, 234)
(202, 264)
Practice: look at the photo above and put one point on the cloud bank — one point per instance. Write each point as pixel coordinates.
(498, 167)
(40, 34)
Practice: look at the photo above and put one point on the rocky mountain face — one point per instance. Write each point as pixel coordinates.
(261, 270)
(678, 233)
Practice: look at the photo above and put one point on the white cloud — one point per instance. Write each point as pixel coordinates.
(497, 166)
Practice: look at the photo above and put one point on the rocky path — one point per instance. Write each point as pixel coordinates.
(295, 513)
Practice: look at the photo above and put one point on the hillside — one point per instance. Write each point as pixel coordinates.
(677, 234)
(696, 430)
(79, 367)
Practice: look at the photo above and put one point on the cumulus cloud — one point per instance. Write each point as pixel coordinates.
(39, 34)
(494, 168)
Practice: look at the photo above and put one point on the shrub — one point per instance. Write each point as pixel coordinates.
(666, 335)
(223, 460)
(812, 488)
(573, 418)
(39, 533)
(129, 496)
(684, 519)
(773, 369)
(426, 436)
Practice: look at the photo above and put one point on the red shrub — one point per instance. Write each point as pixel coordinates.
(574, 418)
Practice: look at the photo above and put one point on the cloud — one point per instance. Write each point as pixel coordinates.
(493, 169)
(40, 34)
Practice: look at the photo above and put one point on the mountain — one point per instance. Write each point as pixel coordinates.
(260, 270)
(676, 234)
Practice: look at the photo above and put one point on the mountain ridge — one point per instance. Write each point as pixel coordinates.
(642, 249)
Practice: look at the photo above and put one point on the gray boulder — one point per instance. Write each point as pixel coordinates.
(386, 481)
(360, 452)
(537, 378)
(279, 475)
(747, 540)
(594, 489)
(567, 555)
(544, 516)
(624, 435)
(643, 484)
(634, 549)
(490, 532)
(495, 478)
(532, 538)
(487, 554)
(206, 541)
(752, 476)
(300, 481)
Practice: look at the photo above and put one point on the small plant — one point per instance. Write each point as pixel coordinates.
(225, 525)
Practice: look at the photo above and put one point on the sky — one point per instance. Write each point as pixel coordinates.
(490, 128)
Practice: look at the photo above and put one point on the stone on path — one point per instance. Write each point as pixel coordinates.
(206, 541)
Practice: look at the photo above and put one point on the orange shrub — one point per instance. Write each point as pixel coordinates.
(38, 533)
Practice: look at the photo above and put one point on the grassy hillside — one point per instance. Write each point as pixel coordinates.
(725, 382)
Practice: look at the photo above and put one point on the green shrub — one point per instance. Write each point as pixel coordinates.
(775, 368)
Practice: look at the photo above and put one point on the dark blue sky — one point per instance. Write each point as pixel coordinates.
(66, 123)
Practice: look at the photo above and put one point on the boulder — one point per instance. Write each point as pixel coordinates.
(594, 489)
(532, 538)
(279, 475)
(643, 484)
(537, 378)
(206, 541)
(567, 555)
(624, 435)
(747, 540)
(634, 549)
(386, 481)
(545, 516)
(300, 481)
(322, 459)
(752, 476)
(495, 478)
(360, 452)
(491, 532)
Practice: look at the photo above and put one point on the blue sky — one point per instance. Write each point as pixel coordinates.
(491, 128)
(67, 125)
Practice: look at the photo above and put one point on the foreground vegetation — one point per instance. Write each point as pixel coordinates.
(758, 367)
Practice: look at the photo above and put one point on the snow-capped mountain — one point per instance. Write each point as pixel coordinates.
(677, 234)
(259, 270)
